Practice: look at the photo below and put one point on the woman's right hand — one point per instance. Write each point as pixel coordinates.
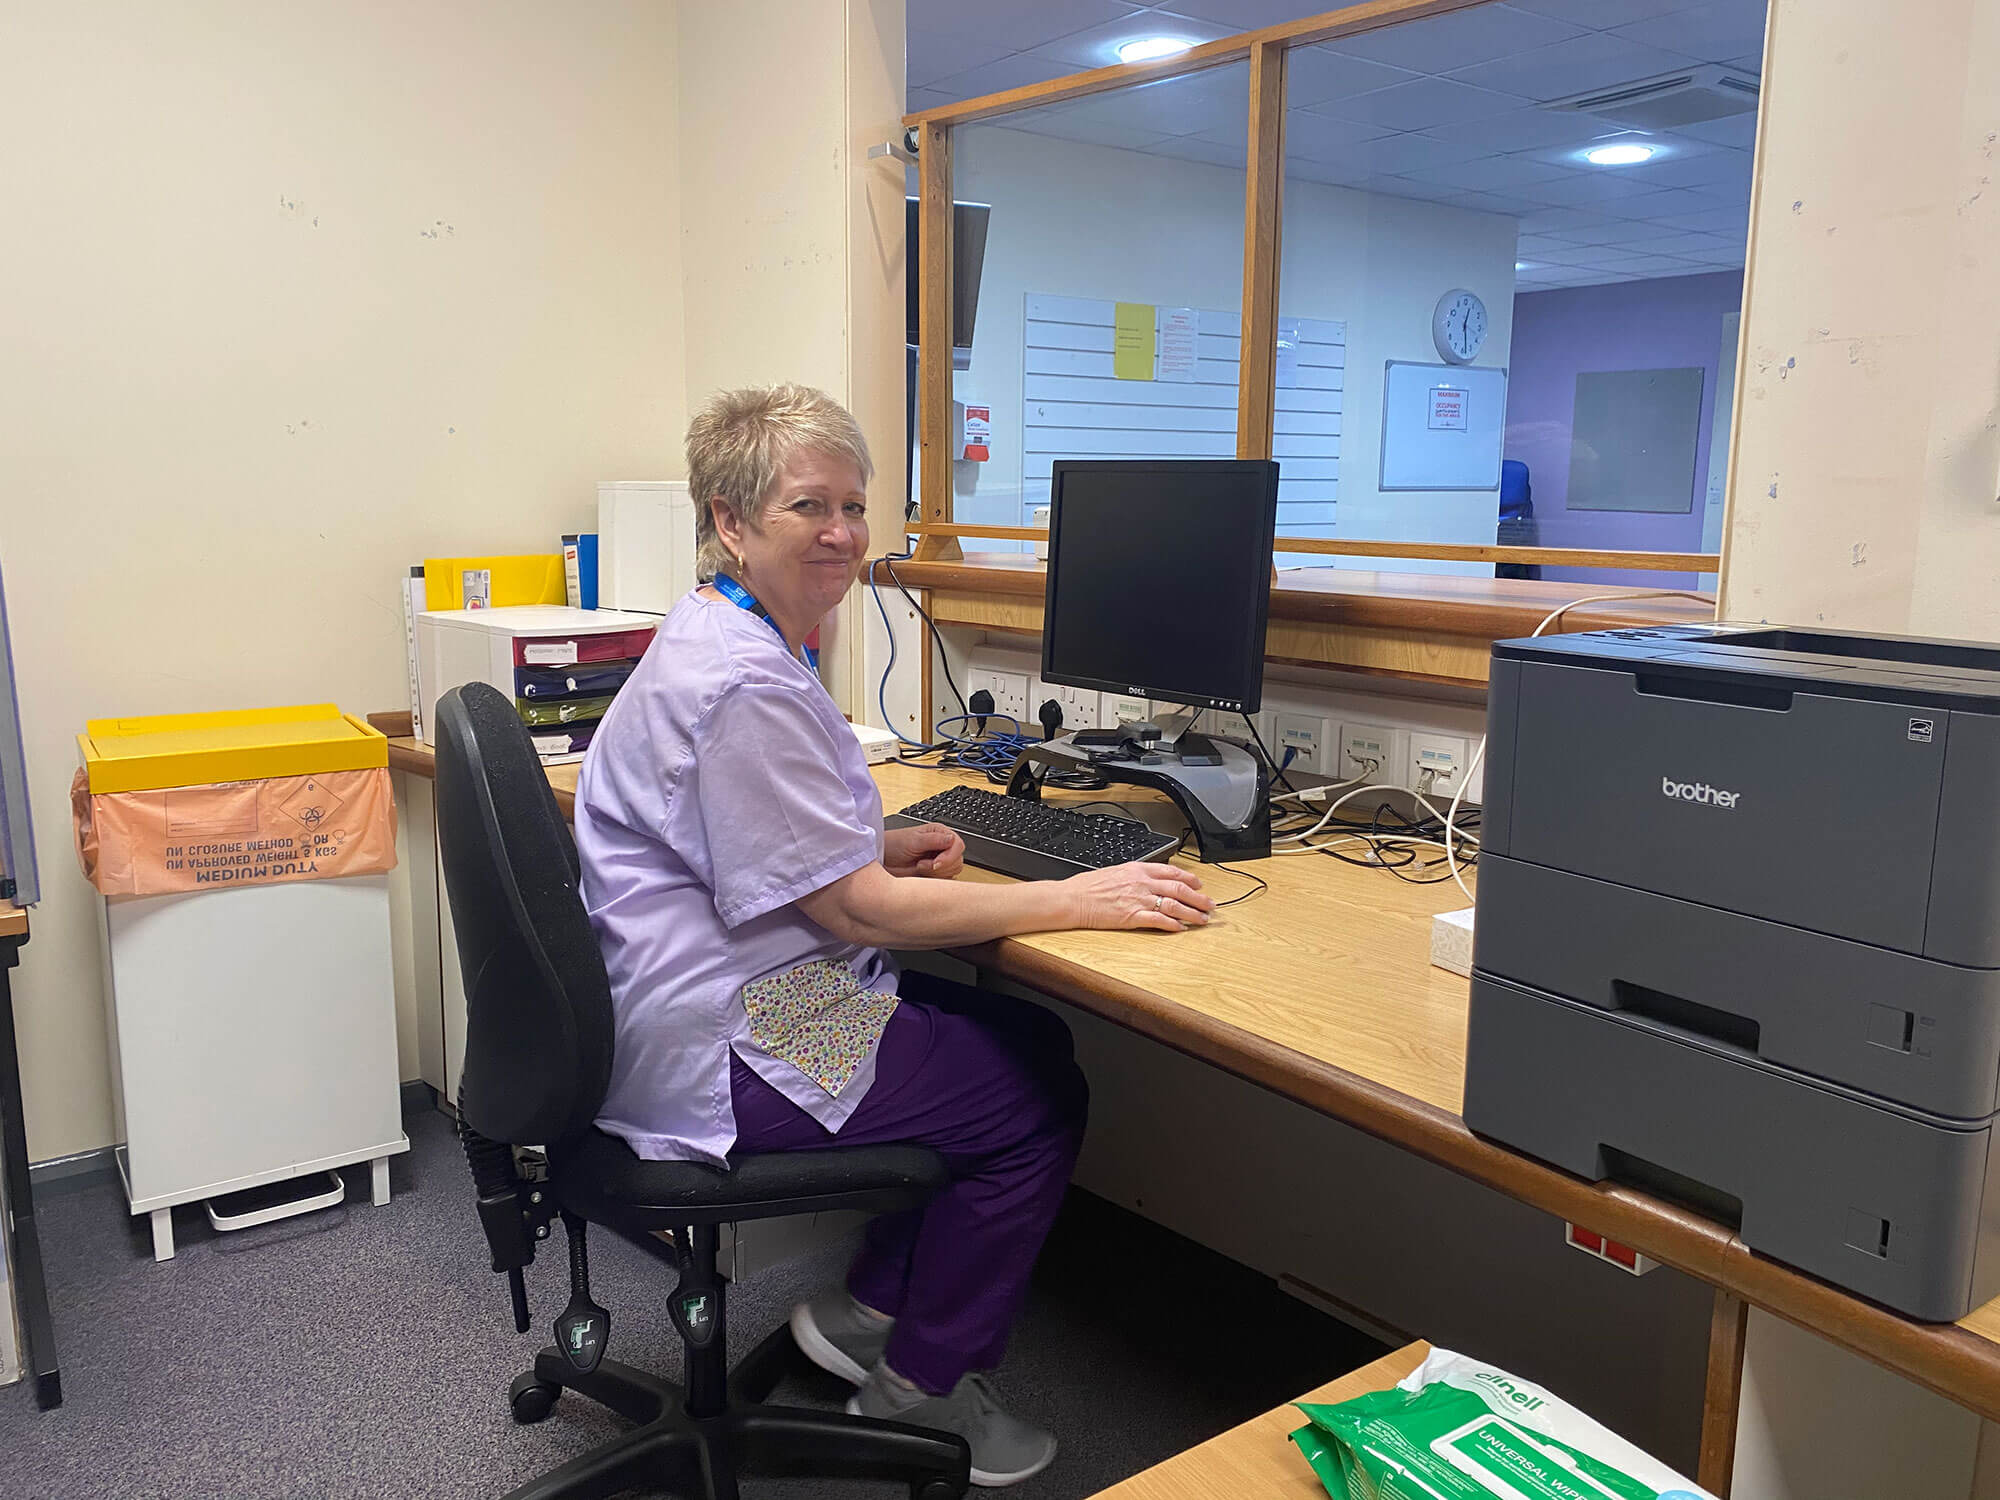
(1164, 898)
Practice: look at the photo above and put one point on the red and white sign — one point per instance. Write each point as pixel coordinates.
(978, 434)
(1447, 408)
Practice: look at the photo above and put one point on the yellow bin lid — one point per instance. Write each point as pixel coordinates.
(164, 750)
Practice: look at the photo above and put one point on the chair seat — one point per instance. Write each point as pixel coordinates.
(599, 1176)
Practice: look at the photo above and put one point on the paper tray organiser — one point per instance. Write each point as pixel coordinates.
(527, 652)
(1893, 1203)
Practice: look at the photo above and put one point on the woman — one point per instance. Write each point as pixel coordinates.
(744, 891)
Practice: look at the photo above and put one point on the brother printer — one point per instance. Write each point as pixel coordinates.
(1738, 939)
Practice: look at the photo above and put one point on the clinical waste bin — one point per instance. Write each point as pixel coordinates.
(241, 860)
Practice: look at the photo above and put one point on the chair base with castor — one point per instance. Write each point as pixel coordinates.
(694, 1441)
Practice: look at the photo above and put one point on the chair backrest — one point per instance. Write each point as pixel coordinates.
(539, 1036)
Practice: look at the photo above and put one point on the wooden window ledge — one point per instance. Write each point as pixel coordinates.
(1428, 627)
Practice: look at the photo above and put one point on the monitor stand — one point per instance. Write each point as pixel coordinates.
(1225, 800)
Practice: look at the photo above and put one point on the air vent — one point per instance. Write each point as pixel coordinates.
(1670, 100)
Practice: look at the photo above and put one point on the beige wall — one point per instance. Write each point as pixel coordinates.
(296, 294)
(794, 239)
(1867, 463)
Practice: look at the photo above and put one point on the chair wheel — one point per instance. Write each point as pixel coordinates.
(936, 1489)
(532, 1399)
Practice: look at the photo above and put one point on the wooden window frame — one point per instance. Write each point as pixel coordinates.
(1263, 214)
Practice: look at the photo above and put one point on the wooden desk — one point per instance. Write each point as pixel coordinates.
(1429, 627)
(1378, 1041)
(13, 921)
(1257, 1460)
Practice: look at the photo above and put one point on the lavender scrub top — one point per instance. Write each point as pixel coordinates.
(722, 785)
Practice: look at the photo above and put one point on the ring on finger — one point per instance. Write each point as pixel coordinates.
(1158, 900)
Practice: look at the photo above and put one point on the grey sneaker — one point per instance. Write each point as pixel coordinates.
(1005, 1450)
(834, 1333)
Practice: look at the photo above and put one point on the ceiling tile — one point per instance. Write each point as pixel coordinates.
(1739, 131)
(1314, 75)
(1610, 232)
(1491, 174)
(1420, 104)
(1591, 61)
(1582, 190)
(1714, 32)
(1410, 153)
(1539, 246)
(1089, 132)
(1097, 46)
(1750, 62)
(1248, 15)
(1194, 148)
(1659, 205)
(1017, 25)
(1316, 171)
(1560, 221)
(1409, 187)
(935, 55)
(1528, 129)
(1704, 167)
(1494, 203)
(1573, 255)
(1710, 221)
(1438, 44)
(1197, 102)
(916, 99)
(1721, 258)
(1671, 243)
(1597, 15)
(1644, 265)
(1018, 71)
(1320, 137)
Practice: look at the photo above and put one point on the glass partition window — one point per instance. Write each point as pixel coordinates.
(1515, 235)
(1110, 294)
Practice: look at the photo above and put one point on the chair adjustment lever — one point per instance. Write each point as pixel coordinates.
(582, 1328)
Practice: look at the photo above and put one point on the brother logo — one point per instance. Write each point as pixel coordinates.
(1698, 791)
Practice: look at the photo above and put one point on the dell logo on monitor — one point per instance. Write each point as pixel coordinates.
(1698, 791)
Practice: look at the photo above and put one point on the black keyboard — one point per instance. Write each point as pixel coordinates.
(1031, 840)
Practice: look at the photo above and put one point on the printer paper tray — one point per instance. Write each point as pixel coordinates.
(1893, 1025)
(1885, 1201)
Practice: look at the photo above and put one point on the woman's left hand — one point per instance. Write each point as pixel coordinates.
(928, 849)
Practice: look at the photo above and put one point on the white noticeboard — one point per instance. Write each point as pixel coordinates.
(1442, 426)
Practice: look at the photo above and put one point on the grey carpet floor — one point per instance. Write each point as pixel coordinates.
(366, 1351)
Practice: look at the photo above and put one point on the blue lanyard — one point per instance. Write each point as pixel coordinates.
(742, 598)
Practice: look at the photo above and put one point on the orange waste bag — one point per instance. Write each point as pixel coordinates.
(264, 832)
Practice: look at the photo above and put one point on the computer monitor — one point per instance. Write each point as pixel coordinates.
(1159, 579)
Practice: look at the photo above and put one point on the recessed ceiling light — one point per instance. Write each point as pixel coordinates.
(1152, 48)
(1619, 156)
(1524, 265)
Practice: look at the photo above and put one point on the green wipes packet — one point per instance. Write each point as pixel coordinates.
(1456, 1429)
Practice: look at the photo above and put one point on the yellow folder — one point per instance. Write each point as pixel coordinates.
(494, 582)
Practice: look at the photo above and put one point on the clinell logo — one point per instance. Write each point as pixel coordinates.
(1699, 791)
(1526, 1400)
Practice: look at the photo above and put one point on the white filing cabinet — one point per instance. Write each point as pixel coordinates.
(253, 1038)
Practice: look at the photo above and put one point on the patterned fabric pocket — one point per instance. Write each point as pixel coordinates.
(818, 1018)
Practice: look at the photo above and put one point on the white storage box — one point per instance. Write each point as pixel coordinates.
(457, 646)
(645, 543)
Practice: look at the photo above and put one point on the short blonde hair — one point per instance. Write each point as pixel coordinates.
(740, 440)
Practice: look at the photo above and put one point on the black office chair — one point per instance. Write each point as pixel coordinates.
(537, 1061)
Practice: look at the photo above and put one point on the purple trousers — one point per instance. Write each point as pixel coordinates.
(991, 1084)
